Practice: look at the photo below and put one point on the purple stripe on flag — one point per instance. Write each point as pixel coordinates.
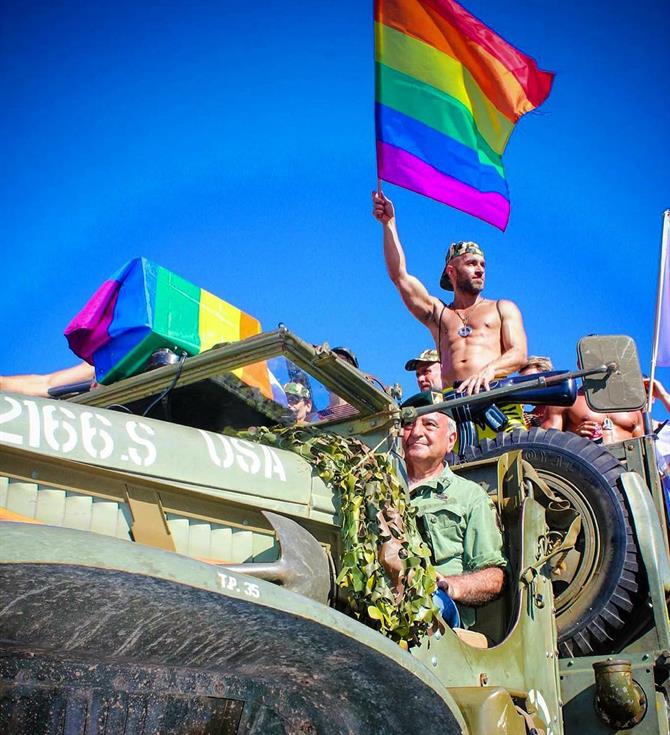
(402, 168)
(89, 330)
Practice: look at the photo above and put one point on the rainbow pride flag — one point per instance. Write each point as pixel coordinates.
(144, 307)
(448, 93)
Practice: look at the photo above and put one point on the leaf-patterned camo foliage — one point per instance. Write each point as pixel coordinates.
(369, 490)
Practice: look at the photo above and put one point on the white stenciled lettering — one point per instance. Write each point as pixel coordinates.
(273, 465)
(13, 413)
(93, 435)
(225, 451)
(231, 584)
(252, 590)
(247, 459)
(227, 457)
(211, 449)
(34, 423)
(228, 582)
(55, 426)
(134, 428)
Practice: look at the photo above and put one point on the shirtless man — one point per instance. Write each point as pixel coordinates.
(580, 419)
(478, 339)
(536, 364)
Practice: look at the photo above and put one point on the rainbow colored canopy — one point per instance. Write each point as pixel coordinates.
(448, 93)
(144, 307)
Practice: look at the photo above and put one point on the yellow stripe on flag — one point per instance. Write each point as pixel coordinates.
(220, 321)
(432, 67)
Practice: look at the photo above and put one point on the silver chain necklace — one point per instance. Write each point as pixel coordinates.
(465, 330)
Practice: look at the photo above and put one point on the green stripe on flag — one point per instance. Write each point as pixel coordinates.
(426, 64)
(435, 109)
(177, 311)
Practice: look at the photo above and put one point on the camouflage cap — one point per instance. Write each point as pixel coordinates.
(296, 389)
(462, 247)
(429, 356)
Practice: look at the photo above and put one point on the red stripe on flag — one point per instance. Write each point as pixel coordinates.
(535, 82)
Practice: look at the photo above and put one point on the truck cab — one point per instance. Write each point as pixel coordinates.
(171, 562)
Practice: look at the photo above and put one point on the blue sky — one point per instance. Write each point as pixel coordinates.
(234, 144)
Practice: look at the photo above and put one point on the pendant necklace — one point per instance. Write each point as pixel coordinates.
(465, 330)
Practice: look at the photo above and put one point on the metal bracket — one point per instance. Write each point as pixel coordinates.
(149, 523)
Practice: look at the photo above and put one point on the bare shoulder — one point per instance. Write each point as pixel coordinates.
(555, 417)
(507, 308)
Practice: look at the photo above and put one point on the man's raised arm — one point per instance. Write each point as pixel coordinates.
(414, 294)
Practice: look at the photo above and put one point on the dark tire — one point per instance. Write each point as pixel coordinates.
(599, 602)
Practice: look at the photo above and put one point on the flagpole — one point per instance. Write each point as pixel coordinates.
(659, 304)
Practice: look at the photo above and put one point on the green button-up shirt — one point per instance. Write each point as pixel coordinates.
(459, 523)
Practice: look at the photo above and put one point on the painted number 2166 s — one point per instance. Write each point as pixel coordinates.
(58, 428)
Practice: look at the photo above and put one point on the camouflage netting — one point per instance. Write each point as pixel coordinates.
(395, 597)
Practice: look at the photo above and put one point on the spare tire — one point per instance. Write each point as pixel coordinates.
(601, 592)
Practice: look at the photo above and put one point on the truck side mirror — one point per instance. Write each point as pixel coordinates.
(620, 388)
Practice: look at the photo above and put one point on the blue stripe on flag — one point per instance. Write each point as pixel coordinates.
(440, 151)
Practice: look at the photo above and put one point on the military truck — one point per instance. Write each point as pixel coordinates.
(161, 574)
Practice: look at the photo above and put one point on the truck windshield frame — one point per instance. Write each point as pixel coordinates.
(320, 362)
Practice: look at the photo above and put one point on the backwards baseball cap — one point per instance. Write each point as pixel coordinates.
(296, 389)
(462, 247)
(429, 356)
(426, 398)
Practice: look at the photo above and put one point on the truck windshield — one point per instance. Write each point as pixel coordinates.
(302, 397)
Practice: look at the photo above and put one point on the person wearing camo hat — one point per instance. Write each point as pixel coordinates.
(428, 370)
(299, 401)
(478, 339)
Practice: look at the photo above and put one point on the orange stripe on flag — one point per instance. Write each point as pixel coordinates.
(248, 325)
(257, 376)
(424, 23)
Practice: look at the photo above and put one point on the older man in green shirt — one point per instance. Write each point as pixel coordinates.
(457, 517)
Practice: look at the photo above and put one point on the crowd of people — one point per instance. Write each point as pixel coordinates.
(480, 339)
(476, 341)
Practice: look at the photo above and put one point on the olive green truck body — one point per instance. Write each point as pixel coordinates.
(136, 596)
